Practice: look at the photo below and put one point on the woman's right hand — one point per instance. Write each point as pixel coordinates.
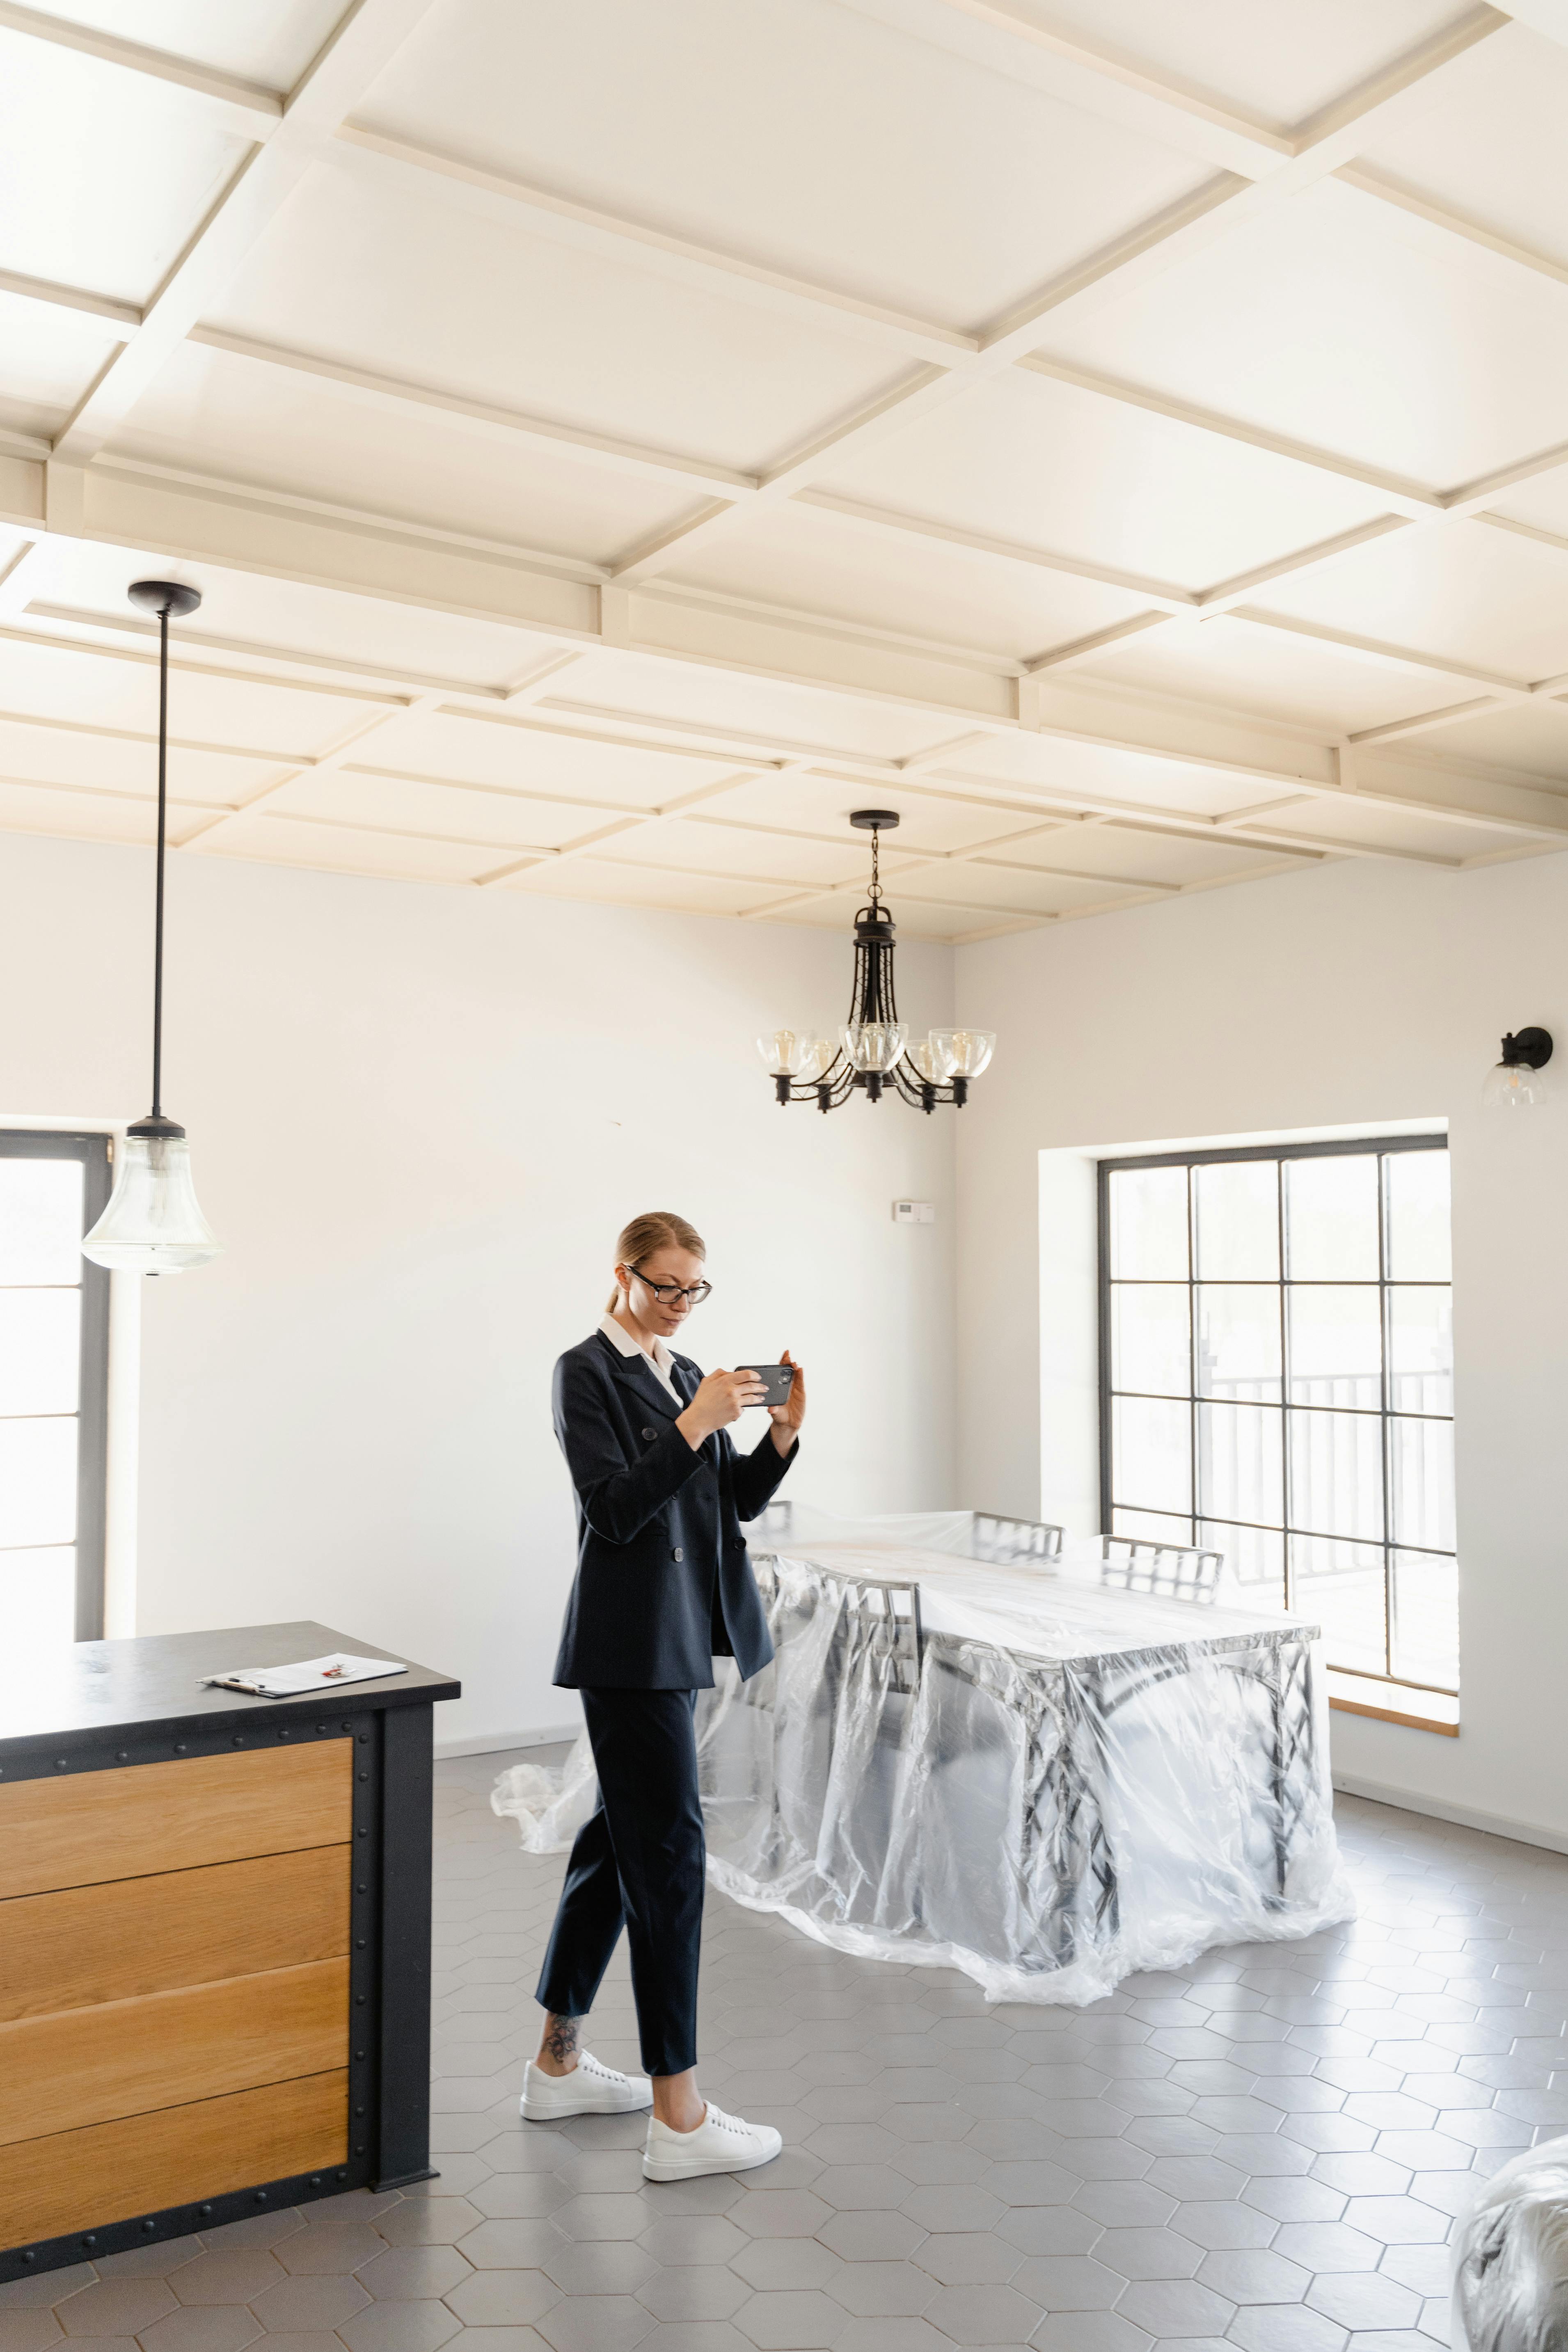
(721, 1399)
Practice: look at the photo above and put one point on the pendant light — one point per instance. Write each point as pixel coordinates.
(873, 1051)
(153, 1224)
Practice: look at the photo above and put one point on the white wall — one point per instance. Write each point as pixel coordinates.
(1357, 993)
(418, 1118)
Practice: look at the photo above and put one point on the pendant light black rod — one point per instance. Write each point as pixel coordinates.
(157, 1111)
(162, 597)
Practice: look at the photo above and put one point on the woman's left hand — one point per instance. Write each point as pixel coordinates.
(787, 1417)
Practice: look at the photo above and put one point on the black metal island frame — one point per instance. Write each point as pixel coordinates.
(214, 1938)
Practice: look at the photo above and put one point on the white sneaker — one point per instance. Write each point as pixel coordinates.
(589, 2089)
(721, 2143)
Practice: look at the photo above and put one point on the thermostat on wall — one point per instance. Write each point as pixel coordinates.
(914, 1212)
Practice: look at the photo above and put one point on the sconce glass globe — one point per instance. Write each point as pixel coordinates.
(1514, 1085)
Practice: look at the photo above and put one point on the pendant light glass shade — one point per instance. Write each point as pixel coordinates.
(930, 1058)
(873, 1044)
(153, 1223)
(796, 1053)
(968, 1050)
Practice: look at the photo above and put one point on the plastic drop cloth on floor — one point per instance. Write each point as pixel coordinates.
(1028, 1774)
(1510, 2257)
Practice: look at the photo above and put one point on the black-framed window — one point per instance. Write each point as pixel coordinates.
(1277, 1382)
(54, 1387)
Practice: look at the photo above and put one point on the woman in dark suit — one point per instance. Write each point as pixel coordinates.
(663, 1587)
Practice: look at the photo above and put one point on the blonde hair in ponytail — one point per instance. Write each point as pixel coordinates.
(654, 1229)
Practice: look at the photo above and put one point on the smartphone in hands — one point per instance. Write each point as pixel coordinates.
(777, 1380)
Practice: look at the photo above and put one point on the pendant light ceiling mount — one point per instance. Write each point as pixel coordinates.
(873, 1050)
(153, 1223)
(165, 599)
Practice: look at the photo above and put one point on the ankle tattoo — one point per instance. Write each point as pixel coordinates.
(561, 2038)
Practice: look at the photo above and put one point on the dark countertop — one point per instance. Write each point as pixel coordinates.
(96, 1689)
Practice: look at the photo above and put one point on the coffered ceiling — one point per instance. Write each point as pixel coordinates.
(616, 440)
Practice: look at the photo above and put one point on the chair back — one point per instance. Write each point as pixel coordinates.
(1174, 1571)
(1021, 1543)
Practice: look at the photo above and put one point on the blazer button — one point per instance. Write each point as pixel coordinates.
(678, 1553)
(650, 1433)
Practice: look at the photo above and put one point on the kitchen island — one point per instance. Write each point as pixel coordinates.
(214, 1937)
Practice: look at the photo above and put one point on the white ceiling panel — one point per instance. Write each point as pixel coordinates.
(392, 858)
(48, 682)
(1278, 674)
(821, 805)
(1542, 503)
(1484, 597)
(70, 755)
(213, 412)
(1044, 464)
(701, 845)
(51, 356)
(742, 709)
(917, 918)
(1348, 324)
(1115, 853)
(416, 286)
(87, 815)
(356, 796)
(1374, 825)
(103, 172)
(653, 114)
(637, 886)
(266, 41)
(287, 614)
(1278, 58)
(590, 261)
(542, 758)
(1005, 889)
(1105, 771)
(821, 562)
(1492, 151)
(1532, 738)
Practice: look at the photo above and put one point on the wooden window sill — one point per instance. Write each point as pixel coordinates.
(1413, 1711)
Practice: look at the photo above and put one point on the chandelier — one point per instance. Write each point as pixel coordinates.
(873, 1050)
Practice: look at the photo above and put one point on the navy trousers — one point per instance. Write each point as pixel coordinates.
(638, 1860)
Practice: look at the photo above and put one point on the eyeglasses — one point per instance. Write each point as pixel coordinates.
(666, 1292)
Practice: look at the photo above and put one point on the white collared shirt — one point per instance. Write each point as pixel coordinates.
(658, 1357)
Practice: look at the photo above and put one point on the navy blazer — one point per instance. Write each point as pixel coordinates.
(664, 1582)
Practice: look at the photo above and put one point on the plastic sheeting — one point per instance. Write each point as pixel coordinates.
(1003, 1764)
(1510, 2257)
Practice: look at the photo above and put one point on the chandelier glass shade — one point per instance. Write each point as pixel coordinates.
(154, 1222)
(874, 1051)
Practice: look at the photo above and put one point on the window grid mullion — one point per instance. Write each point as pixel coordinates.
(1195, 1495)
(1385, 1411)
(1385, 1432)
(1286, 1499)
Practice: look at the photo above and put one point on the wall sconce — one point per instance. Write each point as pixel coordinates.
(1516, 1083)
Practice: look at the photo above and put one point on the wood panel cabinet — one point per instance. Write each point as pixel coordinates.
(213, 1943)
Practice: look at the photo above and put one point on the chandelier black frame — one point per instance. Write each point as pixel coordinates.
(873, 1000)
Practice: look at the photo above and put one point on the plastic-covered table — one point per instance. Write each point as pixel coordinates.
(1020, 1764)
